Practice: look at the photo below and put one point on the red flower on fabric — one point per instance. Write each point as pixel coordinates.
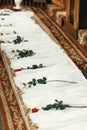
(17, 70)
(34, 110)
(1, 41)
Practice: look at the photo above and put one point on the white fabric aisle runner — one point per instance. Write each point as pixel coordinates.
(58, 66)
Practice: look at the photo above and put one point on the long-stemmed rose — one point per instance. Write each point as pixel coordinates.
(57, 105)
(32, 67)
(44, 80)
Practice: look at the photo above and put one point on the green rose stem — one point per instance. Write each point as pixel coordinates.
(60, 105)
(62, 81)
(79, 106)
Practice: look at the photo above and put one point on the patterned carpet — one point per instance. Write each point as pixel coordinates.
(1, 123)
(71, 47)
(8, 104)
(13, 112)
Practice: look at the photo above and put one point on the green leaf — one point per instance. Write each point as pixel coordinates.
(55, 105)
(34, 67)
(44, 78)
(28, 67)
(24, 84)
(13, 51)
(14, 32)
(34, 83)
(18, 39)
(25, 40)
(25, 53)
(60, 103)
(56, 100)
(1, 34)
(62, 107)
(29, 84)
(40, 65)
(41, 81)
(34, 80)
(48, 107)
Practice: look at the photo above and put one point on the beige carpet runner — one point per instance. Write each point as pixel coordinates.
(9, 108)
(13, 116)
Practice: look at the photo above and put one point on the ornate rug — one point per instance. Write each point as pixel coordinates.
(1, 123)
(9, 108)
(13, 116)
(71, 47)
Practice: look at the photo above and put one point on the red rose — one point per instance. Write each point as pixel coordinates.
(17, 70)
(1, 41)
(34, 110)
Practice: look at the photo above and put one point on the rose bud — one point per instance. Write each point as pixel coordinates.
(17, 70)
(34, 110)
(1, 41)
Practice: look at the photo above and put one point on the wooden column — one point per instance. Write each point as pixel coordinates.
(76, 16)
(68, 10)
(76, 13)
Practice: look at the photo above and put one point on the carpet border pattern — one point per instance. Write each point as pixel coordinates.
(60, 38)
(15, 114)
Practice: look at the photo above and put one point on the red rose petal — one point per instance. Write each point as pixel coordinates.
(17, 70)
(34, 110)
(1, 41)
